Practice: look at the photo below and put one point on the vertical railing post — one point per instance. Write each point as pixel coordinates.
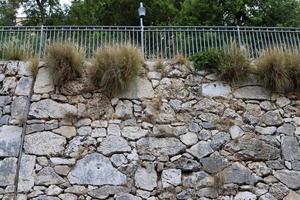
(142, 37)
(41, 41)
(239, 36)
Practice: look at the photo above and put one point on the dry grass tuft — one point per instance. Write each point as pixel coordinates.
(236, 64)
(115, 67)
(13, 51)
(65, 61)
(34, 65)
(273, 71)
(219, 181)
(181, 59)
(293, 67)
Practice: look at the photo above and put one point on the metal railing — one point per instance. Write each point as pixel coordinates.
(158, 41)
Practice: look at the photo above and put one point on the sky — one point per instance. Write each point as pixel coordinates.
(62, 2)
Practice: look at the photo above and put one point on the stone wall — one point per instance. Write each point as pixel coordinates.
(175, 134)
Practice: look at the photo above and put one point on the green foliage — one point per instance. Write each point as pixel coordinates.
(13, 51)
(210, 59)
(115, 67)
(273, 70)
(65, 61)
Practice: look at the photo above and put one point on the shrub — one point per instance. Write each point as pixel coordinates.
(13, 51)
(293, 66)
(181, 59)
(210, 59)
(65, 61)
(235, 65)
(273, 71)
(34, 65)
(115, 67)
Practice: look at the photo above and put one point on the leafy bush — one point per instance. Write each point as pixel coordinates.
(65, 61)
(115, 67)
(210, 59)
(235, 65)
(13, 51)
(273, 70)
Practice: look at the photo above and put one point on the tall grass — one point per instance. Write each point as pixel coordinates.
(115, 67)
(13, 51)
(65, 61)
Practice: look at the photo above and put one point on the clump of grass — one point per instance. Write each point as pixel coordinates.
(219, 181)
(115, 67)
(273, 71)
(34, 65)
(293, 68)
(236, 64)
(65, 61)
(209, 60)
(181, 59)
(13, 51)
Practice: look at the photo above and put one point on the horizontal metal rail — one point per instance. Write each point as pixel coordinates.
(159, 41)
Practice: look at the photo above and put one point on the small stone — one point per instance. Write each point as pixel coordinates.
(113, 144)
(62, 161)
(67, 196)
(290, 148)
(189, 138)
(252, 92)
(272, 118)
(267, 196)
(245, 196)
(96, 169)
(113, 129)
(10, 139)
(215, 89)
(62, 169)
(26, 173)
(24, 86)
(154, 75)
(214, 163)
(99, 124)
(124, 109)
(200, 150)
(8, 167)
(53, 190)
(34, 128)
(186, 164)
(4, 100)
(292, 196)
(18, 108)
(127, 197)
(175, 104)
(236, 132)
(108, 190)
(47, 176)
(266, 131)
(138, 88)
(84, 131)
(67, 131)
(287, 129)
(290, 178)
(44, 197)
(282, 102)
(145, 178)
(77, 189)
(171, 177)
(98, 132)
(133, 132)
(118, 159)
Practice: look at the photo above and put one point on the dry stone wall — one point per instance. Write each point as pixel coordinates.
(174, 134)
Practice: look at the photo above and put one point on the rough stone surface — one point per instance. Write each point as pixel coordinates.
(215, 89)
(290, 148)
(8, 167)
(96, 169)
(145, 178)
(47, 176)
(44, 143)
(200, 149)
(139, 88)
(49, 108)
(43, 83)
(252, 92)
(10, 139)
(24, 86)
(114, 144)
(26, 174)
(272, 118)
(290, 178)
(171, 177)
(133, 132)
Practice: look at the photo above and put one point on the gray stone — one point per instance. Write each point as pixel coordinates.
(154, 75)
(2, 76)
(18, 108)
(67, 131)
(31, 128)
(138, 88)
(196, 180)
(282, 102)
(77, 189)
(214, 163)
(290, 178)
(113, 144)
(133, 132)
(26, 173)
(209, 105)
(84, 130)
(252, 92)
(49, 108)
(201, 149)
(219, 139)
(189, 138)
(215, 89)
(10, 139)
(124, 109)
(53, 190)
(62, 161)
(98, 132)
(4, 100)
(266, 131)
(67, 196)
(8, 167)
(95, 169)
(186, 164)
(24, 86)
(24, 69)
(43, 82)
(267, 196)
(164, 130)
(208, 192)
(287, 129)
(113, 129)
(159, 146)
(118, 159)
(272, 118)
(171, 177)
(127, 197)
(292, 196)
(245, 196)
(250, 148)
(145, 178)
(44, 143)
(236, 132)
(45, 197)
(175, 104)
(239, 174)
(290, 148)
(47, 176)
(278, 190)
(8, 86)
(108, 190)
